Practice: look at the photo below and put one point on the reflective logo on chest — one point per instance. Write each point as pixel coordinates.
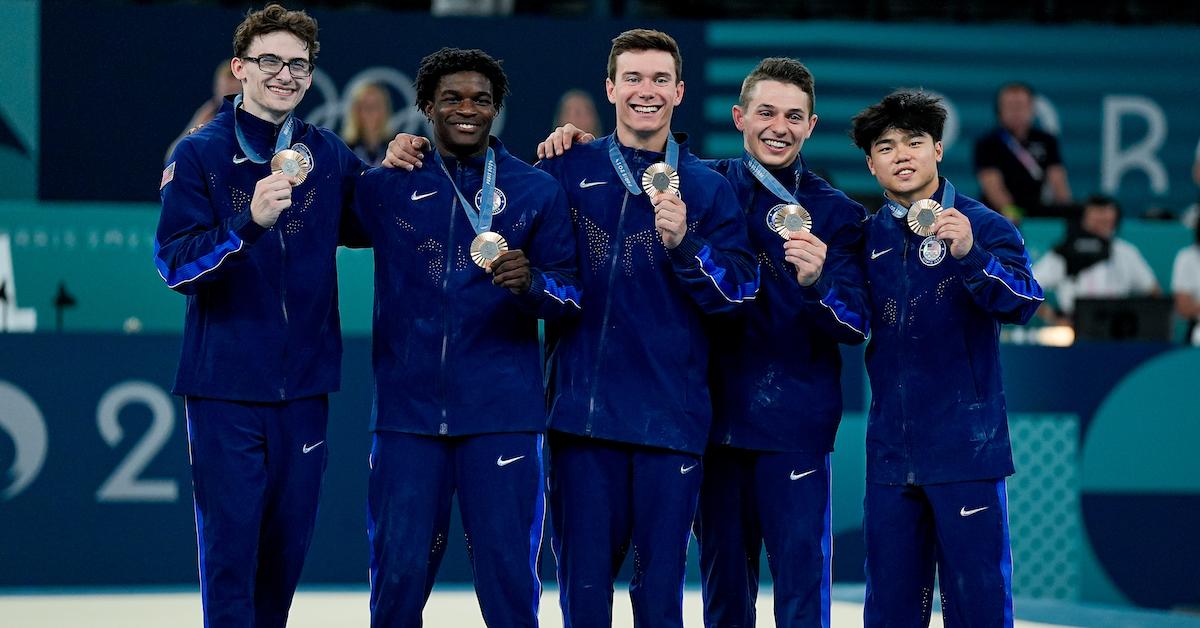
(498, 203)
(932, 251)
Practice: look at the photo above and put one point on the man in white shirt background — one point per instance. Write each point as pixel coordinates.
(1093, 262)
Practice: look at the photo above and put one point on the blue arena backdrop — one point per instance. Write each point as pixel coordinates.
(138, 89)
(96, 487)
(1127, 127)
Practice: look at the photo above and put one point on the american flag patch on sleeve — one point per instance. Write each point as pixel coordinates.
(168, 174)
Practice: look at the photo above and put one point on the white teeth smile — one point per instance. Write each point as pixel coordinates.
(775, 143)
(646, 109)
(283, 91)
(466, 126)
(906, 171)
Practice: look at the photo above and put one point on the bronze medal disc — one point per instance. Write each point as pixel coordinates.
(789, 219)
(922, 216)
(486, 247)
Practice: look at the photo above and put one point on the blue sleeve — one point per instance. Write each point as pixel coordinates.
(554, 293)
(352, 232)
(714, 260)
(998, 274)
(837, 302)
(191, 246)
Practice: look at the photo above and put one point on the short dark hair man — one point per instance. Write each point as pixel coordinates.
(1019, 166)
(943, 273)
(469, 253)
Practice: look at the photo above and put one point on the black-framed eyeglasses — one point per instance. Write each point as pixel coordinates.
(300, 68)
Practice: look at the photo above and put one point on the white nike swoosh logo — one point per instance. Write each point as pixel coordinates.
(308, 448)
(417, 197)
(501, 462)
(967, 513)
(238, 160)
(587, 184)
(684, 470)
(875, 253)
(796, 476)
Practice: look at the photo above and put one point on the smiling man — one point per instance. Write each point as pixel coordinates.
(469, 253)
(766, 477)
(252, 207)
(944, 272)
(630, 410)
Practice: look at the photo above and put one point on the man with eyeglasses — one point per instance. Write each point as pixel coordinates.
(252, 213)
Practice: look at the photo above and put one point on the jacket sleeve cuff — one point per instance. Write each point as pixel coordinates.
(688, 249)
(814, 293)
(532, 298)
(244, 226)
(976, 259)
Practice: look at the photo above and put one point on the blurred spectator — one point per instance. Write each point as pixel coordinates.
(1019, 167)
(1185, 283)
(224, 84)
(1093, 262)
(577, 107)
(367, 127)
(471, 7)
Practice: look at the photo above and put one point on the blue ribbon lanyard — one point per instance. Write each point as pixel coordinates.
(947, 201)
(622, 168)
(768, 181)
(283, 141)
(481, 221)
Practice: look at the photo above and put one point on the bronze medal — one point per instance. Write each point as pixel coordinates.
(486, 247)
(291, 163)
(660, 177)
(789, 219)
(922, 215)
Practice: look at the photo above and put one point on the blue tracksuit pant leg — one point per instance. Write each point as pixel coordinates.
(408, 518)
(501, 494)
(782, 500)
(961, 530)
(606, 498)
(974, 554)
(256, 476)
(730, 537)
(500, 485)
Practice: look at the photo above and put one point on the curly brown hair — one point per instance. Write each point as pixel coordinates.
(272, 18)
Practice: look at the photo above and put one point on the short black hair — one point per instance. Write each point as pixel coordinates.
(905, 110)
(452, 60)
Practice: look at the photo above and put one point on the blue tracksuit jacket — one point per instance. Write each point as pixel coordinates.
(776, 366)
(453, 353)
(937, 409)
(633, 368)
(262, 317)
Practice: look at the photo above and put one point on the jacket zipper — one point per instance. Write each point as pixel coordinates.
(612, 274)
(443, 426)
(283, 305)
(910, 476)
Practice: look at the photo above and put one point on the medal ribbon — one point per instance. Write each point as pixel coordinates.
(948, 193)
(622, 168)
(283, 141)
(481, 221)
(771, 183)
